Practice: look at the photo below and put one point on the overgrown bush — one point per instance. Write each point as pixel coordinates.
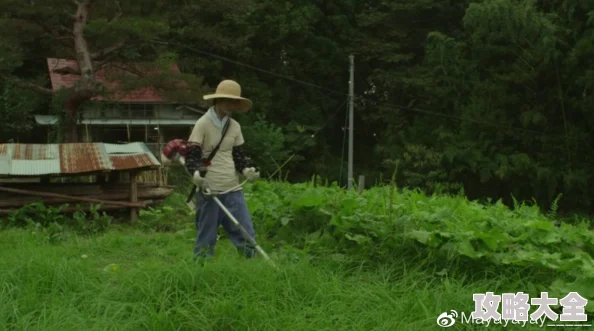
(452, 234)
(52, 221)
(172, 215)
(448, 234)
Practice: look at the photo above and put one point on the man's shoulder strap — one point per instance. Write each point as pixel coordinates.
(214, 151)
(210, 157)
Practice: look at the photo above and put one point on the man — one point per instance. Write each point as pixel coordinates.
(222, 173)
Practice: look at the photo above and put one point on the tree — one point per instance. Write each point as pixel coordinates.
(95, 35)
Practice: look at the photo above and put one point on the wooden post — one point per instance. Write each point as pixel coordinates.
(361, 183)
(160, 140)
(133, 195)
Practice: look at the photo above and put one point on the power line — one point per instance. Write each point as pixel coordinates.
(389, 105)
(248, 66)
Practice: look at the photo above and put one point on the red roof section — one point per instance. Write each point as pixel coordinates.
(59, 80)
(82, 158)
(135, 161)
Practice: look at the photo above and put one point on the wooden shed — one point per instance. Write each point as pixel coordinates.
(83, 173)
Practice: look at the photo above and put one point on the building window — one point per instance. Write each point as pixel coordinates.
(149, 111)
(120, 110)
(136, 107)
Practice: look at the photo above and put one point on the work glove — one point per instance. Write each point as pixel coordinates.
(199, 181)
(250, 173)
(173, 150)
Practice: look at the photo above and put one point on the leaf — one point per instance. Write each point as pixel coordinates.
(348, 205)
(309, 200)
(359, 239)
(420, 235)
(541, 225)
(285, 220)
(490, 240)
(315, 235)
(465, 248)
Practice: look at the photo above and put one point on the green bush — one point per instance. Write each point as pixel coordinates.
(447, 230)
(446, 234)
(55, 224)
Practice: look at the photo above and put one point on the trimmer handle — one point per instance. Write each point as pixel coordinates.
(202, 169)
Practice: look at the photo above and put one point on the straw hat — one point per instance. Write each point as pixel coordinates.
(229, 89)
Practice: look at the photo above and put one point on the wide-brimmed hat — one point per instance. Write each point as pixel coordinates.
(229, 89)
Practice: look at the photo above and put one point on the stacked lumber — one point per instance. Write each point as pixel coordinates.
(111, 195)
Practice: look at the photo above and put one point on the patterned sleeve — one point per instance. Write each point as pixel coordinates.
(241, 160)
(193, 158)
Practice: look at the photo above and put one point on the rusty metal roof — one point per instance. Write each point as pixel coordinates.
(131, 148)
(131, 156)
(74, 158)
(83, 157)
(133, 161)
(145, 94)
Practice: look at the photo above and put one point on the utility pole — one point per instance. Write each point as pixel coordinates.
(351, 121)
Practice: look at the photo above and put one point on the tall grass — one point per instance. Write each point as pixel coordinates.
(132, 280)
(385, 260)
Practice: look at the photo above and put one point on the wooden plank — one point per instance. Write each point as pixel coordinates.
(85, 207)
(361, 184)
(79, 188)
(119, 195)
(72, 198)
(13, 180)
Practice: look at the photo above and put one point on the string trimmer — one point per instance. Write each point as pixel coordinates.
(207, 193)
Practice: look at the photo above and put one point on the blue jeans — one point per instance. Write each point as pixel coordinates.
(209, 217)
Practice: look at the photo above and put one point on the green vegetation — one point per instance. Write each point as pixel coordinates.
(482, 100)
(492, 96)
(386, 260)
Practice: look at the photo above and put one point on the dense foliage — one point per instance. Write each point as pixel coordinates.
(492, 96)
(446, 236)
(454, 235)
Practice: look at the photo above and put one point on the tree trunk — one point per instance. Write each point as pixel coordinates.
(71, 117)
(86, 87)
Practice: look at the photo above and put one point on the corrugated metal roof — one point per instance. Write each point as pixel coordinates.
(130, 148)
(115, 121)
(133, 161)
(131, 156)
(5, 158)
(77, 158)
(35, 152)
(51, 120)
(84, 157)
(35, 167)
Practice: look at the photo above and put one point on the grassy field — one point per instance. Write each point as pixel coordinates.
(134, 278)
(131, 280)
(127, 280)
